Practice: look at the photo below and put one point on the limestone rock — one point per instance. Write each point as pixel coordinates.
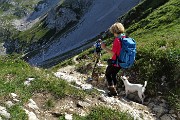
(60, 19)
(13, 95)
(151, 105)
(68, 116)
(28, 81)
(159, 110)
(83, 104)
(86, 86)
(31, 115)
(3, 112)
(32, 105)
(9, 103)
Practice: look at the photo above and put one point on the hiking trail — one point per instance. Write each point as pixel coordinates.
(138, 111)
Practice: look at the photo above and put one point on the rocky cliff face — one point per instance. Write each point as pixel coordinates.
(61, 18)
(69, 12)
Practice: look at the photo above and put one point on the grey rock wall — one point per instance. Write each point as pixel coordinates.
(61, 18)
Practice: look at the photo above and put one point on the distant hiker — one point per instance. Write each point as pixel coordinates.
(98, 48)
(117, 30)
(97, 54)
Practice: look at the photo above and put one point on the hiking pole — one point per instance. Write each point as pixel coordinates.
(94, 75)
(97, 60)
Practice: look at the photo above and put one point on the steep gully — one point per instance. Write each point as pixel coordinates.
(101, 15)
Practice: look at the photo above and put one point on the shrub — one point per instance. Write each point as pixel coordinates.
(159, 67)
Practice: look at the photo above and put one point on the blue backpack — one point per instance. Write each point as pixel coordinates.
(127, 53)
(98, 47)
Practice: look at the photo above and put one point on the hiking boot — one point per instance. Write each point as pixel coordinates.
(109, 94)
(115, 94)
(113, 91)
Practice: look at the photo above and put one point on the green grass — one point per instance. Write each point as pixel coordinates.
(104, 113)
(15, 71)
(49, 104)
(140, 12)
(35, 34)
(62, 64)
(17, 113)
(5, 6)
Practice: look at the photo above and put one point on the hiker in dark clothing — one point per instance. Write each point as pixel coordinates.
(117, 30)
(97, 46)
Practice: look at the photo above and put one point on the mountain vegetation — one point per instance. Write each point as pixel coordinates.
(158, 52)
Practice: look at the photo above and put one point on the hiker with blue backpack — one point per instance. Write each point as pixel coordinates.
(123, 55)
(97, 46)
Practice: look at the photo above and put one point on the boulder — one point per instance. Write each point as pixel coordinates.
(4, 113)
(68, 116)
(32, 105)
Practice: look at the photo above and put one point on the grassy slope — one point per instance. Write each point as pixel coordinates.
(35, 34)
(14, 73)
(158, 50)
